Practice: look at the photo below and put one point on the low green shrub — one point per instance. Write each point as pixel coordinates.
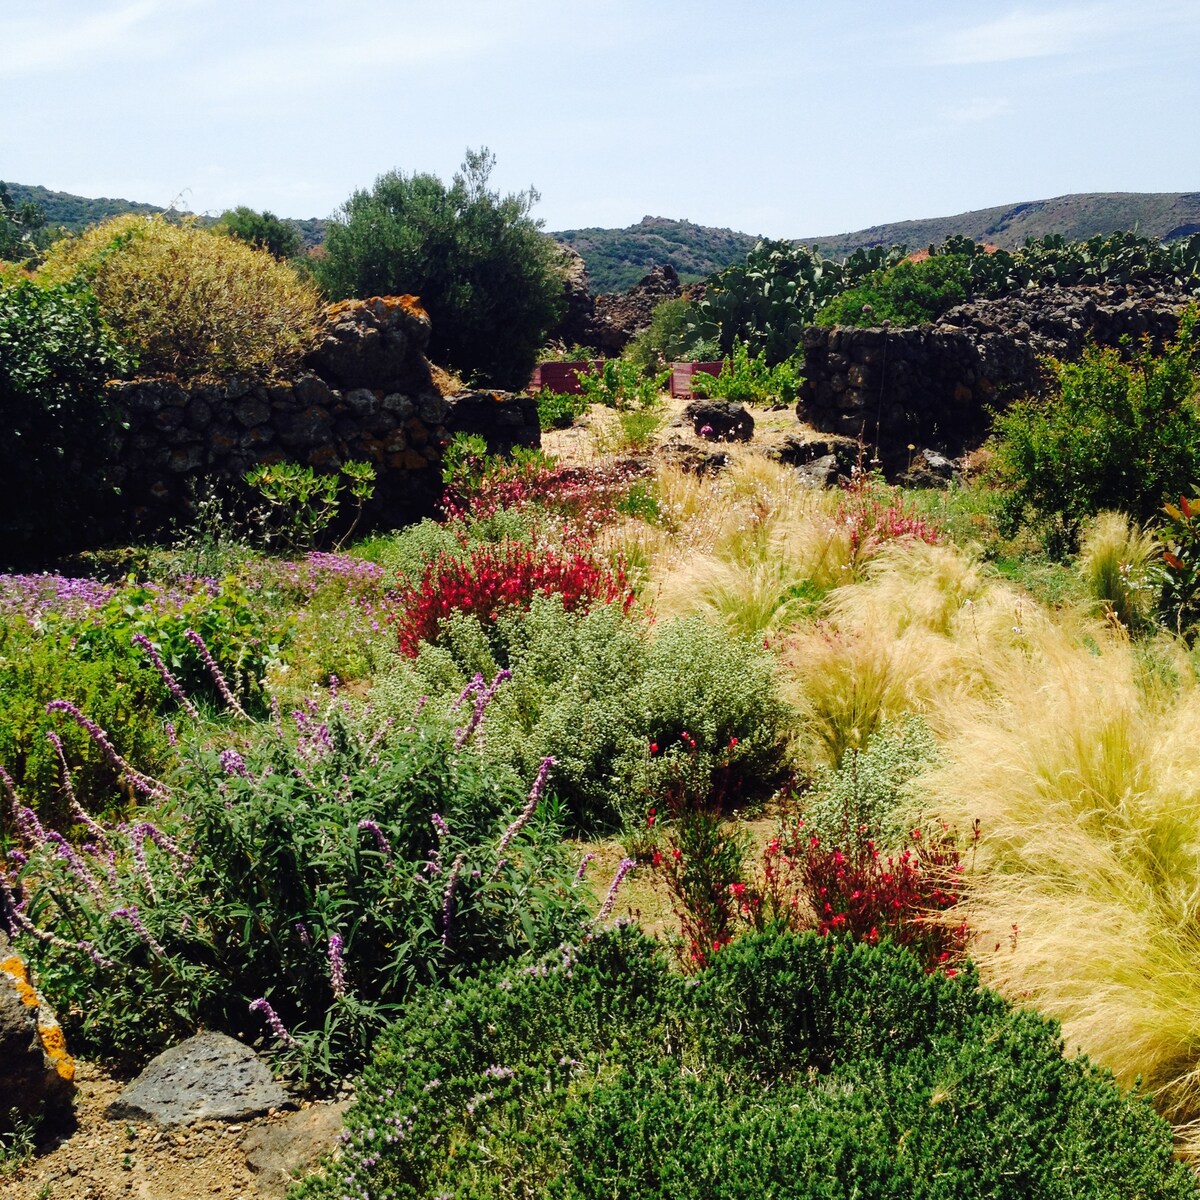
(747, 379)
(621, 384)
(791, 1067)
(907, 293)
(559, 410)
(1116, 434)
(860, 798)
(609, 697)
(297, 886)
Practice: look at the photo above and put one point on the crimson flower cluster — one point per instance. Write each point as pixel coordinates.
(494, 577)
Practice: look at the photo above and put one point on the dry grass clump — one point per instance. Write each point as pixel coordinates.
(1087, 787)
(1115, 558)
(188, 301)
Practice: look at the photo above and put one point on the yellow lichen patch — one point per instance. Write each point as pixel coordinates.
(13, 967)
(55, 1046)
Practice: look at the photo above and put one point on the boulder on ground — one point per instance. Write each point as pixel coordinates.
(210, 1077)
(279, 1153)
(720, 420)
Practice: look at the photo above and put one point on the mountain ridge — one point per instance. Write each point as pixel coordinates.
(617, 258)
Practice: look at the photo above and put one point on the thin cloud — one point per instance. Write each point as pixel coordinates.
(32, 46)
(981, 108)
(1024, 34)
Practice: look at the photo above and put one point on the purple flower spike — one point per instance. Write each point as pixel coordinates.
(535, 794)
(583, 866)
(627, 865)
(439, 823)
(337, 966)
(140, 782)
(173, 684)
(272, 1019)
(380, 839)
(215, 671)
(448, 897)
(132, 915)
(232, 763)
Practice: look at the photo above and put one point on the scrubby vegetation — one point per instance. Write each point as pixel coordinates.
(185, 300)
(875, 766)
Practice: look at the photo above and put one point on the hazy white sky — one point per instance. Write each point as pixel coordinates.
(781, 117)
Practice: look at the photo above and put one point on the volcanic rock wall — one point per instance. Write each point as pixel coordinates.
(934, 385)
(365, 392)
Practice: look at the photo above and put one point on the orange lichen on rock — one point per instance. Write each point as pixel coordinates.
(50, 1033)
(15, 969)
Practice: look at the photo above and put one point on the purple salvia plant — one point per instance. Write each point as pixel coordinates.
(302, 933)
(142, 783)
(535, 794)
(77, 810)
(271, 1017)
(627, 865)
(439, 823)
(337, 965)
(484, 695)
(172, 740)
(19, 919)
(232, 763)
(132, 915)
(448, 897)
(76, 865)
(583, 866)
(173, 684)
(215, 671)
(380, 838)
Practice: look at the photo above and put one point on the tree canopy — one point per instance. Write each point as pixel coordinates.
(485, 273)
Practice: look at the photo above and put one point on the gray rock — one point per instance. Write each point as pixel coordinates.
(210, 1077)
(820, 473)
(278, 1153)
(36, 1073)
(723, 420)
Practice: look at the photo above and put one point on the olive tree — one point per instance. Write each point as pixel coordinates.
(486, 274)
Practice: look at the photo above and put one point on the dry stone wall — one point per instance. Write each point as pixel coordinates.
(365, 392)
(934, 385)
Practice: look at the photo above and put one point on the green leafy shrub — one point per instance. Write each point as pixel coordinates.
(621, 385)
(791, 1067)
(1179, 598)
(187, 300)
(301, 884)
(302, 504)
(263, 230)
(908, 293)
(55, 355)
(672, 336)
(489, 279)
(860, 798)
(609, 697)
(748, 379)
(559, 410)
(1115, 434)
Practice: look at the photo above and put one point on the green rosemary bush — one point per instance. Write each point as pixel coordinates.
(790, 1067)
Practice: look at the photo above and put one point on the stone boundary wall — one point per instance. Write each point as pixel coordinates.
(366, 392)
(934, 385)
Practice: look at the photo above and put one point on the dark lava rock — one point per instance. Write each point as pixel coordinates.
(210, 1077)
(720, 420)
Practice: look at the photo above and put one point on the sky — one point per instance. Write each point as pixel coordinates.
(781, 118)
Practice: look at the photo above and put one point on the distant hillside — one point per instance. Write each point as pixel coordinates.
(617, 258)
(76, 213)
(1162, 215)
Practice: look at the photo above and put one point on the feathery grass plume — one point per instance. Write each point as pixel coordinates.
(1088, 791)
(847, 683)
(1116, 559)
